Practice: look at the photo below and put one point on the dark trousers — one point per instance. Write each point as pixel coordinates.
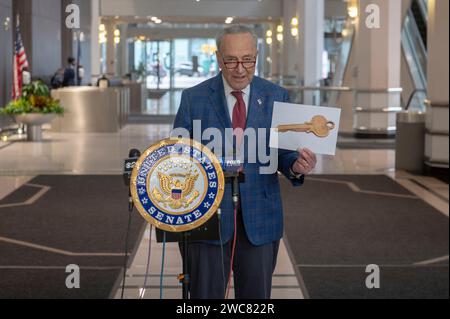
(253, 267)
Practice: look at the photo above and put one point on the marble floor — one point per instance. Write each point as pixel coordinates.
(72, 154)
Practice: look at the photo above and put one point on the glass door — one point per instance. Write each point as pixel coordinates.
(159, 65)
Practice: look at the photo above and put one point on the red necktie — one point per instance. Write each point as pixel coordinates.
(239, 115)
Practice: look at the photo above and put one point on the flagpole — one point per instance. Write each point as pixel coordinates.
(77, 33)
(20, 61)
(15, 75)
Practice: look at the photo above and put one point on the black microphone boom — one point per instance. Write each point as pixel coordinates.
(129, 163)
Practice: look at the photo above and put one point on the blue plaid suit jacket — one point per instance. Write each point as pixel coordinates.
(260, 193)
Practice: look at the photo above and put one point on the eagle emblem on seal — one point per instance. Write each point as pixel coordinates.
(176, 190)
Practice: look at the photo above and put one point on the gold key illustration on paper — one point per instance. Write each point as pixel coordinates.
(319, 126)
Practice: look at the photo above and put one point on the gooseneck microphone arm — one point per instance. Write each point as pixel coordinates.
(133, 156)
(129, 163)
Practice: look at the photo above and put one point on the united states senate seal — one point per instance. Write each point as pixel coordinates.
(177, 185)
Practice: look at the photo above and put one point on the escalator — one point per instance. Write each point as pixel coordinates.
(413, 61)
(414, 55)
(419, 11)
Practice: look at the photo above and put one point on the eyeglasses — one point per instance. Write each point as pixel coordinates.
(246, 64)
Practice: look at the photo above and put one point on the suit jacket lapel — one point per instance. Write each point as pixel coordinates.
(255, 106)
(219, 102)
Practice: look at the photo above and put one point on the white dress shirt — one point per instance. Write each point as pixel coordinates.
(231, 100)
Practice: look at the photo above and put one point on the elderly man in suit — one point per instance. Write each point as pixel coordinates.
(250, 234)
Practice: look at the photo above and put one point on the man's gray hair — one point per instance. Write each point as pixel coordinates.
(235, 29)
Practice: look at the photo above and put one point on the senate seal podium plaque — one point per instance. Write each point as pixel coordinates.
(177, 185)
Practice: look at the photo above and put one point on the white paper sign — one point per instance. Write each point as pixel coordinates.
(297, 114)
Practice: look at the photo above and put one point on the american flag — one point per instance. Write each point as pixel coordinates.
(20, 62)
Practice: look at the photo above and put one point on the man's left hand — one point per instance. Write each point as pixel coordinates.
(305, 163)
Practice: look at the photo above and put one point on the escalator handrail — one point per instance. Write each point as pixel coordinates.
(411, 96)
(424, 9)
(408, 30)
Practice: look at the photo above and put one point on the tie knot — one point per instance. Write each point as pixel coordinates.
(237, 94)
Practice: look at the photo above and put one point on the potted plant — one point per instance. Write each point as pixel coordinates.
(34, 108)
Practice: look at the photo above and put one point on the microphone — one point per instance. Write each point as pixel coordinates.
(128, 166)
(129, 163)
(230, 167)
(233, 171)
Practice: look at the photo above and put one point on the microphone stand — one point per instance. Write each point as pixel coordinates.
(128, 167)
(184, 277)
(235, 178)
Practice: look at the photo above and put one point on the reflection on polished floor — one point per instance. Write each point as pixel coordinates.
(77, 154)
(166, 105)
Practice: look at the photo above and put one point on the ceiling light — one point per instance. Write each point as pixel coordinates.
(352, 12)
(294, 32)
(294, 21)
(229, 20)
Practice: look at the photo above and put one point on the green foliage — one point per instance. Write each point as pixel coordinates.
(37, 88)
(35, 99)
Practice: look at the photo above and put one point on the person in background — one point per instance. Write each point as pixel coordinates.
(103, 82)
(26, 76)
(80, 75)
(57, 79)
(69, 73)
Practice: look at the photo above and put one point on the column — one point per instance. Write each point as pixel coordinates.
(123, 47)
(378, 51)
(291, 47)
(311, 42)
(67, 41)
(303, 52)
(275, 53)
(95, 47)
(24, 9)
(110, 48)
(436, 138)
(6, 54)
